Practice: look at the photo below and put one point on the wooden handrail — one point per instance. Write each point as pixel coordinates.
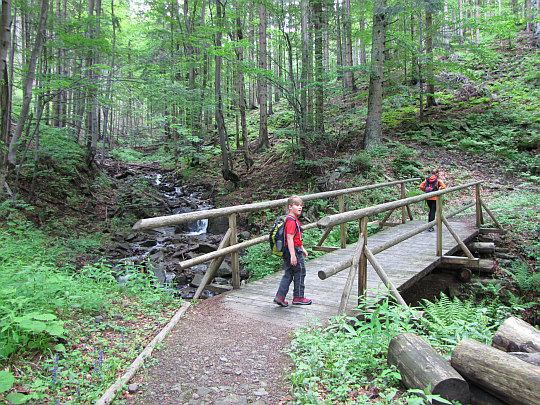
(231, 249)
(168, 220)
(336, 219)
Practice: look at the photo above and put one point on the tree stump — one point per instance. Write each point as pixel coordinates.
(502, 375)
(516, 335)
(421, 366)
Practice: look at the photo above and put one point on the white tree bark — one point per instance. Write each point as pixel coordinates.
(5, 36)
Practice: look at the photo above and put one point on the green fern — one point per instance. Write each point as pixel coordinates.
(526, 279)
(445, 313)
(448, 321)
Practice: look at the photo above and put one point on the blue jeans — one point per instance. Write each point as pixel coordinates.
(293, 273)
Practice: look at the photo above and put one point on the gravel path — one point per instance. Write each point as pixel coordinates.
(217, 356)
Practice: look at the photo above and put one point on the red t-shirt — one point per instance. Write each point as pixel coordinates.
(292, 227)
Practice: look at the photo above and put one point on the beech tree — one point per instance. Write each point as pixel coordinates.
(28, 85)
(264, 142)
(373, 130)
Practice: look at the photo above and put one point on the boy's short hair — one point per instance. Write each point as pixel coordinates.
(294, 200)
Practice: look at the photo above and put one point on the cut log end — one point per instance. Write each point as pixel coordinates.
(464, 274)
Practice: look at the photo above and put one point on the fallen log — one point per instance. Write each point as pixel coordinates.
(505, 256)
(482, 265)
(481, 397)
(496, 241)
(422, 367)
(482, 247)
(502, 375)
(531, 358)
(516, 335)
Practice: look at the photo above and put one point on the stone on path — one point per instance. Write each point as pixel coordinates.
(232, 399)
(260, 392)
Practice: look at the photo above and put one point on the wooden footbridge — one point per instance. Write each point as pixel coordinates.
(387, 262)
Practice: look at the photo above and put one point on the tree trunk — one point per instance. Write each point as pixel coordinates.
(269, 96)
(319, 68)
(251, 101)
(29, 82)
(4, 106)
(502, 375)
(460, 30)
(219, 103)
(240, 89)
(536, 25)
(304, 123)
(264, 142)
(349, 74)
(339, 46)
(373, 131)
(109, 88)
(430, 91)
(516, 335)
(5, 36)
(477, 20)
(362, 25)
(422, 367)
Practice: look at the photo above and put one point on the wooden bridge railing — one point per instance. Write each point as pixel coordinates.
(229, 243)
(358, 263)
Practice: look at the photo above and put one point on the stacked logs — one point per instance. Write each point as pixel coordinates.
(508, 372)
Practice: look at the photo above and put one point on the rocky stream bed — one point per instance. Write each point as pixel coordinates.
(160, 250)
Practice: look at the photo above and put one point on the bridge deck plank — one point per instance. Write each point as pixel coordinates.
(405, 264)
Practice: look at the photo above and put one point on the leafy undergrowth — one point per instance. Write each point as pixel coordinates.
(66, 336)
(346, 362)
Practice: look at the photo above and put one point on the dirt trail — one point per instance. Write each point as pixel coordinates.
(217, 356)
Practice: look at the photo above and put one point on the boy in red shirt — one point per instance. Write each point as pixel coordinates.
(293, 257)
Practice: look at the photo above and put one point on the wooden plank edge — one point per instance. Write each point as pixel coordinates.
(324, 248)
(485, 231)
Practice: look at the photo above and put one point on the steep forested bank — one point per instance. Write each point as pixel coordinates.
(250, 102)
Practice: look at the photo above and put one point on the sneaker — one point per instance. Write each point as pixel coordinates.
(301, 301)
(281, 301)
(431, 229)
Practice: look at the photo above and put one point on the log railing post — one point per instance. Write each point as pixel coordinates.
(479, 218)
(439, 226)
(497, 223)
(235, 263)
(403, 209)
(362, 266)
(457, 239)
(214, 265)
(384, 278)
(343, 233)
(352, 274)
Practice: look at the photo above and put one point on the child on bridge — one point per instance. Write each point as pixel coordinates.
(432, 183)
(293, 257)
